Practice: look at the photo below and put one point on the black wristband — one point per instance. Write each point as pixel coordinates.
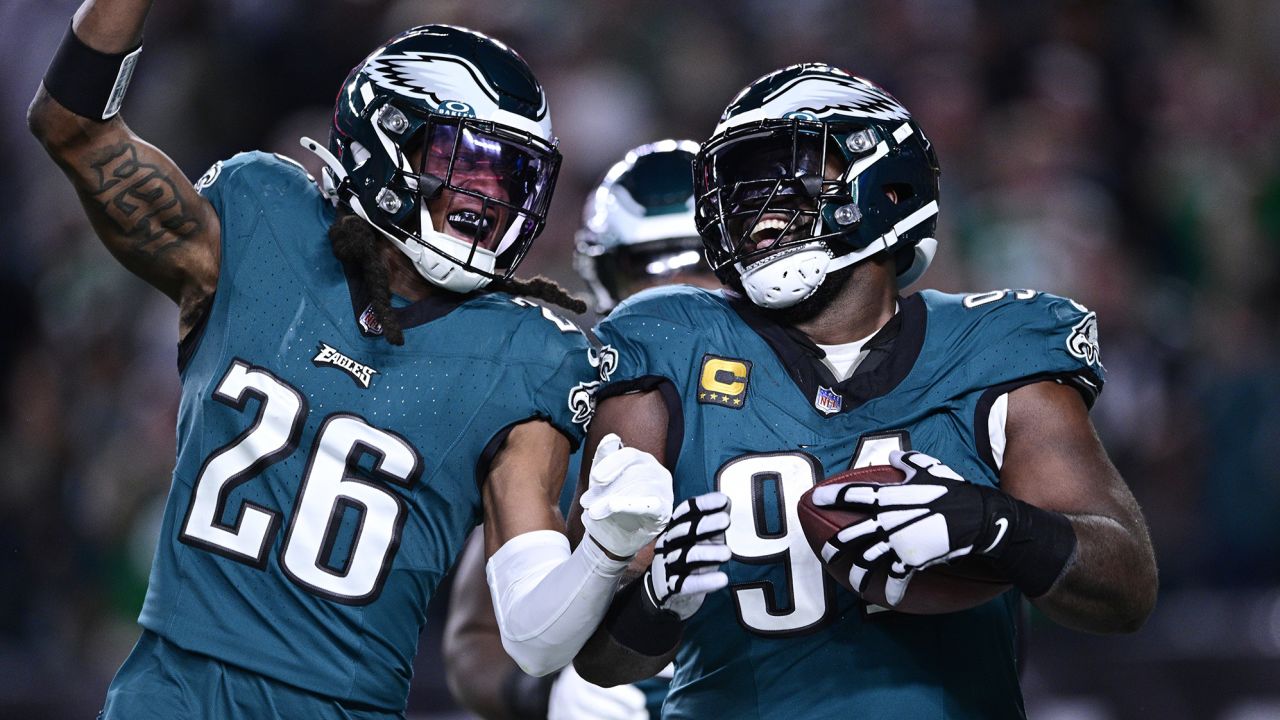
(87, 82)
(634, 622)
(1039, 546)
(527, 697)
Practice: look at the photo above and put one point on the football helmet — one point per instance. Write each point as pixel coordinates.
(637, 225)
(810, 170)
(441, 139)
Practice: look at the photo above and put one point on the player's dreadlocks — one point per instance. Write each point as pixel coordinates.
(542, 288)
(355, 243)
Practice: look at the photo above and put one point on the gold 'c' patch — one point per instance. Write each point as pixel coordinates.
(723, 381)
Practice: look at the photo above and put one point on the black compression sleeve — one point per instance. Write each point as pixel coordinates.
(635, 623)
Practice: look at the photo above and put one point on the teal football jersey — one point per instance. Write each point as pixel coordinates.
(326, 480)
(757, 415)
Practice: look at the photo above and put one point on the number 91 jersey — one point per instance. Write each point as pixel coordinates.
(326, 480)
(756, 414)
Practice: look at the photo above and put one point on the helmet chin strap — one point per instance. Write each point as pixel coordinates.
(443, 268)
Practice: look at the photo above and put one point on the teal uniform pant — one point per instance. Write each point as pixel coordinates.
(161, 681)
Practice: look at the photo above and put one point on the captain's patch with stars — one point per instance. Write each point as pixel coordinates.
(723, 381)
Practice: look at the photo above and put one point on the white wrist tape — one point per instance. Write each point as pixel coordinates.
(547, 600)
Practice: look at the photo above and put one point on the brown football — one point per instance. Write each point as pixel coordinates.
(960, 585)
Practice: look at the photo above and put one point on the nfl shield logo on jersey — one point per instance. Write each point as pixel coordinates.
(828, 401)
(369, 324)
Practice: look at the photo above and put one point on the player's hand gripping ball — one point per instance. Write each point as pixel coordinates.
(866, 563)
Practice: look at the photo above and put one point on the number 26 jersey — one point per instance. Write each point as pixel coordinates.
(326, 480)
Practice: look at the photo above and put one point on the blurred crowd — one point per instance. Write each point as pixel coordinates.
(1126, 154)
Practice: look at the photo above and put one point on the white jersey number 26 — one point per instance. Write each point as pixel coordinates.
(328, 490)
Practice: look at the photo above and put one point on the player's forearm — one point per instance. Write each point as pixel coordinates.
(547, 599)
(1110, 585)
(108, 26)
(608, 663)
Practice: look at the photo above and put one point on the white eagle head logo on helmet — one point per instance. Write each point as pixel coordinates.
(811, 170)
(442, 140)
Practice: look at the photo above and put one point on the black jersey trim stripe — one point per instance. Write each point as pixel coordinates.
(1084, 381)
(670, 397)
(432, 307)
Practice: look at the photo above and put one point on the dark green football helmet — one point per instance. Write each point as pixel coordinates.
(435, 110)
(810, 170)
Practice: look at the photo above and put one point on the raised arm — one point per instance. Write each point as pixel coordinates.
(143, 208)
(1055, 461)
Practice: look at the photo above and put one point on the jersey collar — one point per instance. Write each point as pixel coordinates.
(891, 353)
(421, 312)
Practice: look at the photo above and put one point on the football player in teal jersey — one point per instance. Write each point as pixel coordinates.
(817, 199)
(360, 385)
(637, 232)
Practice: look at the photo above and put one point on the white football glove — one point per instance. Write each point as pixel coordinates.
(628, 499)
(688, 554)
(573, 698)
(934, 517)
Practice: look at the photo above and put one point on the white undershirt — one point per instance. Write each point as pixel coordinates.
(843, 359)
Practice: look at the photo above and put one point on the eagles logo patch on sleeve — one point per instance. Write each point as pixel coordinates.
(1083, 341)
(723, 381)
(582, 397)
(209, 177)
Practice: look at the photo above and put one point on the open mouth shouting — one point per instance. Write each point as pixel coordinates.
(772, 229)
(471, 225)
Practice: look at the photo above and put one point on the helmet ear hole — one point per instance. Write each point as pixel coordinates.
(898, 192)
(359, 153)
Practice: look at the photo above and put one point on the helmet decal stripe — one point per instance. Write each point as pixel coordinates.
(822, 96)
(856, 169)
(435, 77)
(915, 218)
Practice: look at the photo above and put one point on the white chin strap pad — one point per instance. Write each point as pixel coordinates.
(924, 250)
(788, 277)
(441, 270)
(443, 266)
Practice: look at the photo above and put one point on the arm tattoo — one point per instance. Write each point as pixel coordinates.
(141, 200)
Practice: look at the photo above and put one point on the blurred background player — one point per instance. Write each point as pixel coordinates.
(357, 393)
(817, 199)
(637, 232)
